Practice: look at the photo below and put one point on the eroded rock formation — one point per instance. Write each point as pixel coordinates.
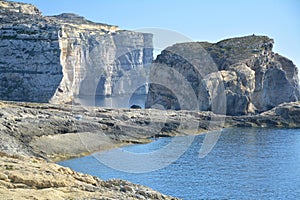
(235, 76)
(53, 59)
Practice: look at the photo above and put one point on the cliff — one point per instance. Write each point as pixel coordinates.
(53, 59)
(236, 76)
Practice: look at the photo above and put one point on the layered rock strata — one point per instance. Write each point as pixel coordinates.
(54, 59)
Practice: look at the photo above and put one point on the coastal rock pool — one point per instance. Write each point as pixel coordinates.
(246, 163)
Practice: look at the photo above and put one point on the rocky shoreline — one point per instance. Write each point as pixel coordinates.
(35, 135)
(33, 178)
(58, 132)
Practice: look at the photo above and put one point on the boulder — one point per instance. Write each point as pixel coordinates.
(136, 107)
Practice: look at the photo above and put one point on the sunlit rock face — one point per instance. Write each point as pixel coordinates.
(53, 59)
(235, 76)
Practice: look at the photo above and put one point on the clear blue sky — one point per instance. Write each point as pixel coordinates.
(200, 20)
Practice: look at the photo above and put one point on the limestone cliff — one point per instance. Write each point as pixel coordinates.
(53, 59)
(242, 73)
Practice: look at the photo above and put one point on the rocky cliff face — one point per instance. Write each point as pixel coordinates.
(242, 73)
(53, 59)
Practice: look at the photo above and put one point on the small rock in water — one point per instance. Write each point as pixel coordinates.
(78, 117)
(136, 107)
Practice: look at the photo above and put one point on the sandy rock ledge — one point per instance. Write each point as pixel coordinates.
(32, 178)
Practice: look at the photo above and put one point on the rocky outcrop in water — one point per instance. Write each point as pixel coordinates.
(236, 76)
(53, 59)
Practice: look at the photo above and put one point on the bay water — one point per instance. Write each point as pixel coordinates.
(246, 163)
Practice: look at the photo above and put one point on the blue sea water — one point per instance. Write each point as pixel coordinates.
(246, 163)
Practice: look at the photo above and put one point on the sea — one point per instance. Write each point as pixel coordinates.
(245, 163)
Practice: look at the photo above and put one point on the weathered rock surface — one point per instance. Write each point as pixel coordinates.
(53, 59)
(64, 131)
(19, 7)
(242, 73)
(58, 132)
(33, 178)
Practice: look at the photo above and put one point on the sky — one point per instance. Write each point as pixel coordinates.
(199, 20)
